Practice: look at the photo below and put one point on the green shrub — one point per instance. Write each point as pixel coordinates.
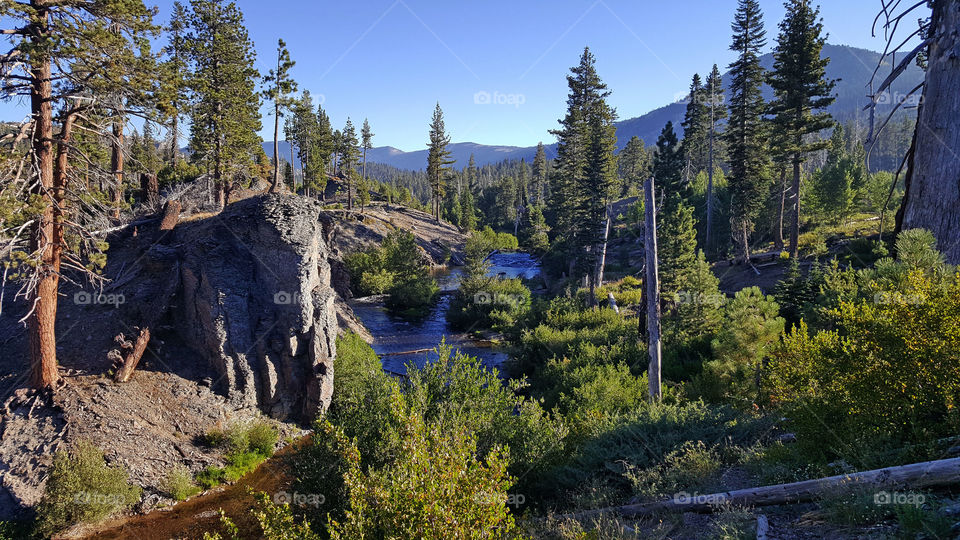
(396, 267)
(179, 484)
(376, 282)
(487, 302)
(438, 487)
(688, 468)
(261, 438)
(211, 477)
(604, 388)
(82, 488)
(275, 521)
(321, 466)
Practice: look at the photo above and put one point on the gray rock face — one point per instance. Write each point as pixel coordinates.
(255, 300)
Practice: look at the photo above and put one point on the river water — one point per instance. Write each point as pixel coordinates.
(398, 341)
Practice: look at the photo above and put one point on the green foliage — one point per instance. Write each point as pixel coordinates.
(276, 522)
(396, 267)
(488, 302)
(577, 388)
(751, 326)
(688, 468)
(179, 484)
(836, 185)
(437, 487)
(245, 445)
(82, 488)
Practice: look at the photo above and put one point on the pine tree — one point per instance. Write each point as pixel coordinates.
(585, 177)
(363, 192)
(349, 156)
(366, 142)
(225, 108)
(635, 163)
(278, 87)
(801, 89)
(57, 52)
(836, 185)
(676, 244)
(696, 125)
(718, 112)
(324, 150)
(668, 166)
(172, 93)
(745, 130)
(438, 159)
(539, 182)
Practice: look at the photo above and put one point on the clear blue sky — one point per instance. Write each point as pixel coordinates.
(391, 60)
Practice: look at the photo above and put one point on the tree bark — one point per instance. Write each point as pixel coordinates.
(917, 476)
(47, 233)
(149, 188)
(778, 227)
(932, 199)
(133, 357)
(795, 209)
(653, 293)
(276, 149)
(116, 164)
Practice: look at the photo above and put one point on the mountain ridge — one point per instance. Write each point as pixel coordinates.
(852, 66)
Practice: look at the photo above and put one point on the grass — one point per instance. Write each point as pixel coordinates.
(245, 446)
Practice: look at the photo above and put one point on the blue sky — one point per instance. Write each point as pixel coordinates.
(498, 67)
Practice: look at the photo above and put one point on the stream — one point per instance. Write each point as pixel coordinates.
(398, 341)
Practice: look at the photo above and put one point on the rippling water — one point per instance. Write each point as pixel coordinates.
(393, 335)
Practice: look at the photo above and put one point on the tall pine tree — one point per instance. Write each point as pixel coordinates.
(718, 113)
(802, 93)
(696, 126)
(278, 87)
(438, 159)
(745, 130)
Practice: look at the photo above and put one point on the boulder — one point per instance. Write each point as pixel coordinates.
(255, 301)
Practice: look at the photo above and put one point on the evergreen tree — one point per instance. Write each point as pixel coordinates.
(585, 176)
(336, 141)
(836, 185)
(278, 87)
(438, 159)
(539, 182)
(59, 51)
(363, 191)
(288, 177)
(634, 163)
(225, 108)
(668, 166)
(745, 130)
(718, 112)
(324, 149)
(676, 244)
(696, 126)
(172, 91)
(802, 93)
(349, 156)
(535, 236)
(366, 142)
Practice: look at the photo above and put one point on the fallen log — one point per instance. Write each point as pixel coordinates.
(923, 475)
(133, 357)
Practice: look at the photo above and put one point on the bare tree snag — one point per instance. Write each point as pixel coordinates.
(134, 353)
(932, 199)
(171, 215)
(116, 163)
(150, 188)
(653, 291)
(928, 474)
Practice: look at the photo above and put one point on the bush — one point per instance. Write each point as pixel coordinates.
(82, 488)
(606, 389)
(179, 484)
(396, 267)
(261, 438)
(436, 488)
(688, 468)
(245, 446)
(486, 302)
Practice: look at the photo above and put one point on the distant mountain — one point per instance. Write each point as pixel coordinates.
(852, 67)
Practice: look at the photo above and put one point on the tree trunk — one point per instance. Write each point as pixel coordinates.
(47, 233)
(602, 259)
(709, 235)
(795, 209)
(276, 149)
(116, 164)
(778, 227)
(932, 198)
(652, 286)
(175, 135)
(149, 188)
(133, 357)
(916, 476)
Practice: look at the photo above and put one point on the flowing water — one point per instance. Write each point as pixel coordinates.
(398, 341)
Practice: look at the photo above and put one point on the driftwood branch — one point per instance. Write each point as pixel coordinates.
(923, 475)
(134, 353)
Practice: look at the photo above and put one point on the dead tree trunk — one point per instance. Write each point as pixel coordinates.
(653, 292)
(134, 353)
(778, 225)
(923, 475)
(116, 163)
(932, 199)
(149, 188)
